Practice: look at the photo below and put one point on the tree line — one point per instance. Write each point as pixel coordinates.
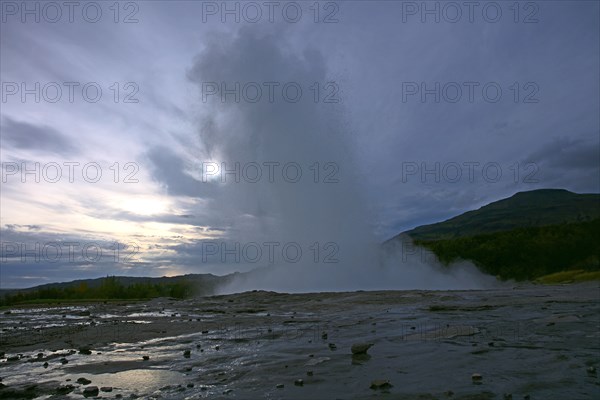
(110, 288)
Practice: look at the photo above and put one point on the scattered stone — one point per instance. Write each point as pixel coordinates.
(299, 382)
(85, 350)
(360, 348)
(309, 373)
(64, 361)
(507, 396)
(332, 346)
(204, 332)
(12, 358)
(476, 377)
(40, 355)
(280, 386)
(91, 391)
(217, 347)
(449, 393)
(227, 391)
(45, 365)
(324, 336)
(83, 381)
(106, 388)
(145, 358)
(380, 384)
(187, 353)
(591, 370)
(491, 344)
(65, 389)
(527, 397)
(190, 385)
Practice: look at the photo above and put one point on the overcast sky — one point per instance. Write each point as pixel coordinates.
(396, 114)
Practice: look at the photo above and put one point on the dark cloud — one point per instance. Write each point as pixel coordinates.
(38, 138)
(169, 169)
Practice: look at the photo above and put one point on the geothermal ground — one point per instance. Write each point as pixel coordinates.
(537, 341)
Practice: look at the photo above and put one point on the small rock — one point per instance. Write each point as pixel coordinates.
(65, 389)
(332, 346)
(187, 353)
(45, 365)
(91, 391)
(476, 377)
(145, 358)
(380, 384)
(280, 386)
(85, 350)
(83, 381)
(190, 385)
(449, 393)
(217, 347)
(106, 388)
(40, 355)
(309, 373)
(591, 370)
(324, 336)
(360, 348)
(507, 396)
(299, 382)
(64, 361)
(227, 391)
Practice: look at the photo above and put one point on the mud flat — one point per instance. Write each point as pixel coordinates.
(537, 341)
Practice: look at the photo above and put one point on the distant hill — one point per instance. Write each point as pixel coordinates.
(118, 288)
(524, 209)
(526, 236)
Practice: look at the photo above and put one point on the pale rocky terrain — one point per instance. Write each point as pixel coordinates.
(530, 341)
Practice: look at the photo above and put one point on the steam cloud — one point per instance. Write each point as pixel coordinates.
(304, 212)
